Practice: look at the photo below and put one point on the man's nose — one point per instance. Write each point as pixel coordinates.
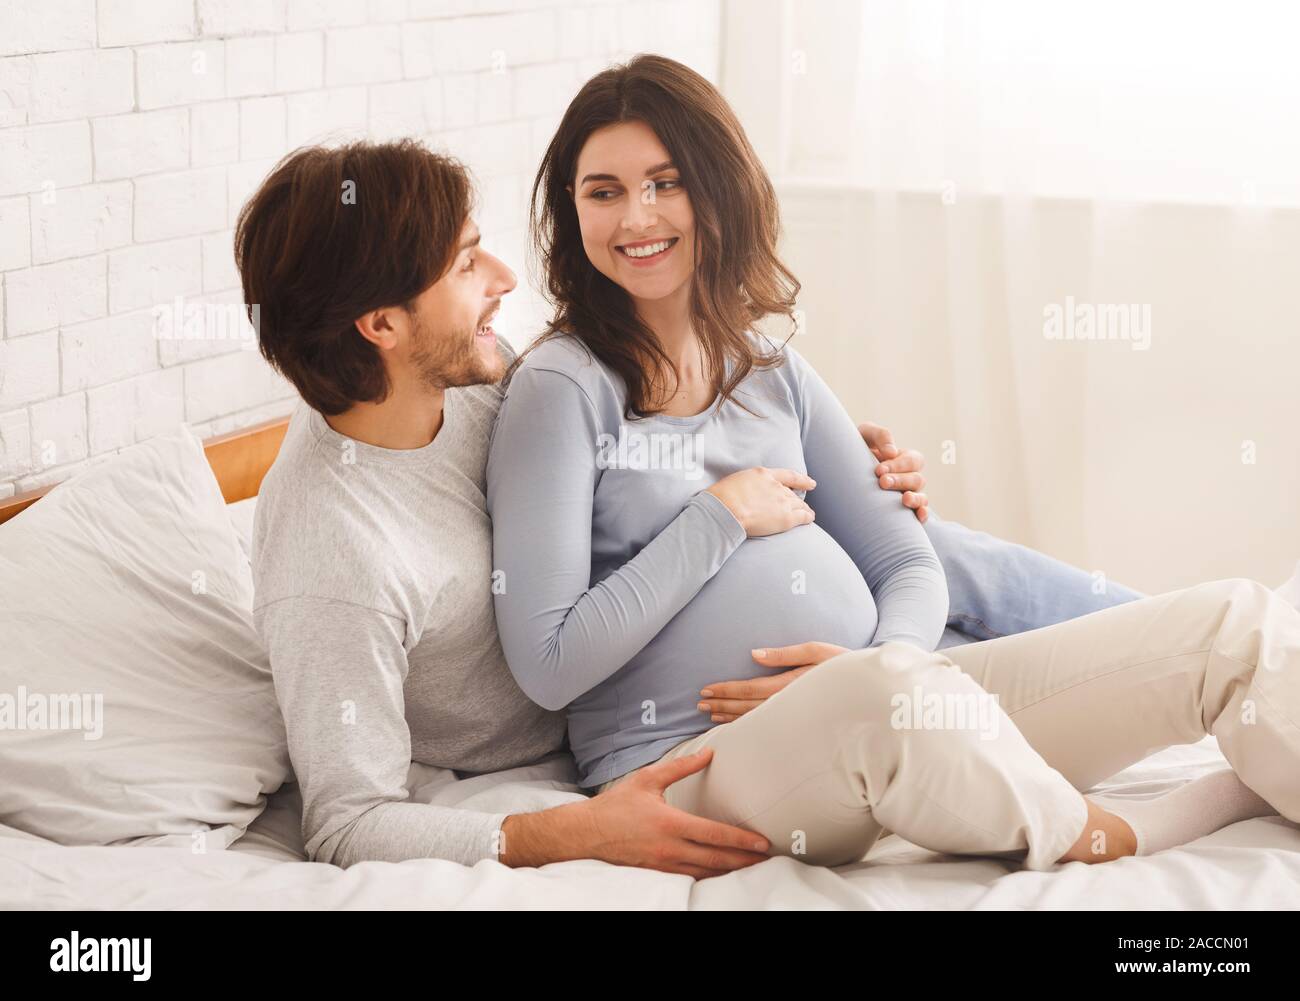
(506, 280)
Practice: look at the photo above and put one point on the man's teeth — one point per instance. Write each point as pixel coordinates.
(649, 250)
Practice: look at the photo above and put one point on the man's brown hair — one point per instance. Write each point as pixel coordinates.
(334, 233)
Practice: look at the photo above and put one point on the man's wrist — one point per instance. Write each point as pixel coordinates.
(534, 839)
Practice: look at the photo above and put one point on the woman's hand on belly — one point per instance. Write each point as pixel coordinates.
(729, 700)
(764, 500)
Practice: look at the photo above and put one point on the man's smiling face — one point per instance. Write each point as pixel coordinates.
(452, 341)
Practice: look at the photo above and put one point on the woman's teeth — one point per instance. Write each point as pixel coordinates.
(650, 249)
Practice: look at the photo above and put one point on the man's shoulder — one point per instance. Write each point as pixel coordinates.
(313, 534)
(303, 470)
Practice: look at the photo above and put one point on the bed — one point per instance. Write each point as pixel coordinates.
(1250, 865)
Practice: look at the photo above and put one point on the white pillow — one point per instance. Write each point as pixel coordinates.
(241, 517)
(126, 587)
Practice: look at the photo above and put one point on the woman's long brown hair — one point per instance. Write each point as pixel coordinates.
(738, 278)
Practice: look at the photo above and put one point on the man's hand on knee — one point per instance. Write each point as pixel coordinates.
(632, 824)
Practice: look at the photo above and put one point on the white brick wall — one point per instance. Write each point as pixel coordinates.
(132, 131)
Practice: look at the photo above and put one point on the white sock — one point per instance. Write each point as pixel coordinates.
(1191, 811)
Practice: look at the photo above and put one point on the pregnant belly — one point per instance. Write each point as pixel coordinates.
(773, 591)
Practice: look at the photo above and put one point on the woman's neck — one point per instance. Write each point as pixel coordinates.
(669, 320)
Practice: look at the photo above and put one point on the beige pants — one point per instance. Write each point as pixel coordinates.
(984, 749)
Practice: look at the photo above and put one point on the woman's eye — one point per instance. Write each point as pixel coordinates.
(668, 185)
(469, 265)
(603, 195)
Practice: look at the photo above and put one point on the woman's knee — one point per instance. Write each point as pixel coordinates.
(1233, 594)
(864, 682)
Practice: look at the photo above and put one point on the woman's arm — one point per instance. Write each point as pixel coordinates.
(885, 540)
(562, 637)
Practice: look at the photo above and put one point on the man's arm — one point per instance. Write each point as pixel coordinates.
(631, 824)
(339, 669)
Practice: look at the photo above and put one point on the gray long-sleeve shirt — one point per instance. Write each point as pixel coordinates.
(373, 576)
(627, 588)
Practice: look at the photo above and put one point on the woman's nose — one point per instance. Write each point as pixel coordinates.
(640, 216)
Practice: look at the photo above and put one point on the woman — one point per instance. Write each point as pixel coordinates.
(627, 585)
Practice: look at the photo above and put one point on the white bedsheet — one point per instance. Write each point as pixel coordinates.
(1254, 864)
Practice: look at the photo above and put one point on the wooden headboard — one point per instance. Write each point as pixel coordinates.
(239, 460)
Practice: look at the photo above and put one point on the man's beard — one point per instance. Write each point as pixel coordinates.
(451, 360)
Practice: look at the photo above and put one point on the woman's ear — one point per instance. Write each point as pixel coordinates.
(569, 189)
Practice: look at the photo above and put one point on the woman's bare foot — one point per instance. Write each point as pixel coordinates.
(1105, 838)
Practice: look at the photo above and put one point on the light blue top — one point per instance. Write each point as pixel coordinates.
(622, 588)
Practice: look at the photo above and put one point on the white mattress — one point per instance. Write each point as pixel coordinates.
(1254, 864)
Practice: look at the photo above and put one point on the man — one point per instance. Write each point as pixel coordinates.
(372, 545)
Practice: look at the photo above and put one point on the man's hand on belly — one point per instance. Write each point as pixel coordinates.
(729, 700)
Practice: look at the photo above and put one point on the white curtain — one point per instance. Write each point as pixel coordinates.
(1056, 247)
(1149, 102)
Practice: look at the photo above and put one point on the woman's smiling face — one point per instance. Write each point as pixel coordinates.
(637, 225)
